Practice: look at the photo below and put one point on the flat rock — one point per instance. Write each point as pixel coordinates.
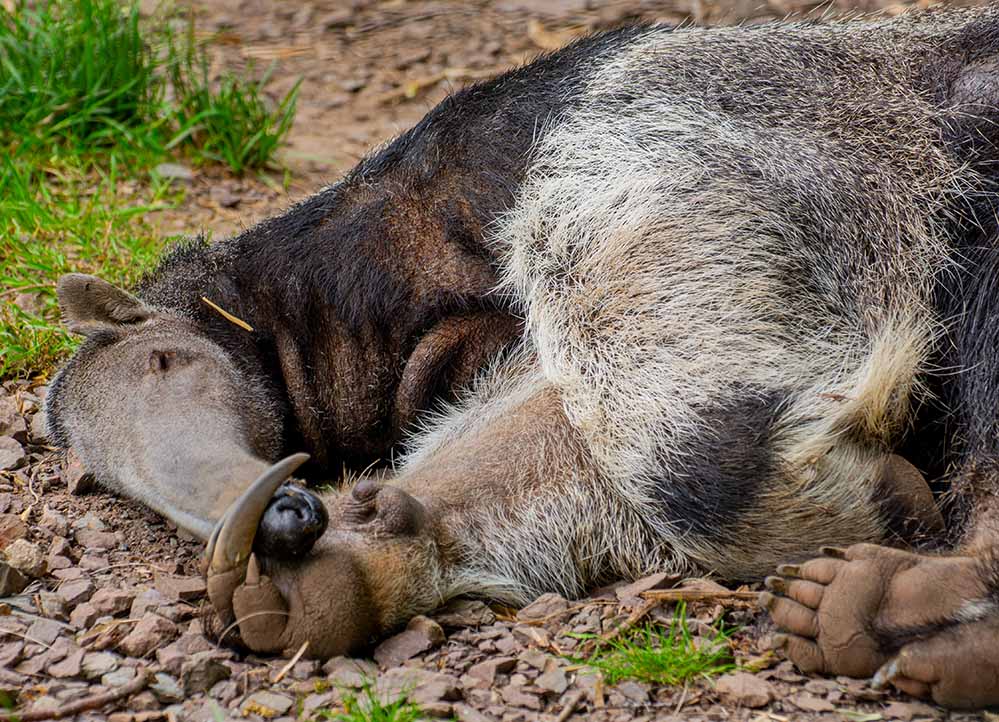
(54, 521)
(347, 672)
(461, 613)
(12, 454)
(630, 594)
(201, 671)
(545, 607)
(487, 670)
(420, 686)
(811, 703)
(52, 605)
(11, 581)
(84, 615)
(745, 690)
(553, 679)
(148, 600)
(26, 557)
(266, 704)
(515, 696)
(11, 529)
(78, 481)
(11, 421)
(96, 664)
(45, 631)
(420, 635)
(166, 689)
(77, 591)
(174, 171)
(150, 632)
(38, 428)
(69, 667)
(112, 601)
(906, 711)
(93, 539)
(182, 589)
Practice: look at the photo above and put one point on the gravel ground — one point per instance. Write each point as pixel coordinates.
(99, 596)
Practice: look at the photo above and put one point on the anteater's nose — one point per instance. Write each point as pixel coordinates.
(292, 523)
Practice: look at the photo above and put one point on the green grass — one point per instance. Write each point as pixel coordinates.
(92, 98)
(660, 655)
(368, 706)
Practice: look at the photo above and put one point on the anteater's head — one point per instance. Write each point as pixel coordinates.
(159, 412)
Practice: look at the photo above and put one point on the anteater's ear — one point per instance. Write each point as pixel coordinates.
(89, 304)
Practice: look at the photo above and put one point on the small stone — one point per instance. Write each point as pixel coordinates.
(118, 677)
(77, 591)
(487, 670)
(152, 631)
(11, 529)
(266, 704)
(11, 581)
(90, 521)
(907, 711)
(68, 667)
(76, 477)
(144, 702)
(346, 672)
(45, 631)
(535, 658)
(420, 686)
(630, 594)
(811, 703)
(53, 606)
(633, 691)
(545, 607)
(93, 560)
(465, 713)
(10, 654)
(461, 613)
(225, 197)
(420, 635)
(38, 428)
(183, 589)
(97, 664)
(174, 171)
(57, 562)
(337, 19)
(745, 690)
(12, 454)
(201, 671)
(112, 601)
(26, 557)
(516, 696)
(166, 689)
(11, 421)
(84, 615)
(148, 600)
(93, 539)
(54, 521)
(554, 679)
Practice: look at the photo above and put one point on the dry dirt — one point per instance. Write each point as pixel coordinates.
(113, 597)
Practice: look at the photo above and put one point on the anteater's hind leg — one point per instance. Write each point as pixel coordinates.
(927, 624)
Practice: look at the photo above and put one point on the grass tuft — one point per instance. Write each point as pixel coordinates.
(652, 653)
(368, 706)
(91, 98)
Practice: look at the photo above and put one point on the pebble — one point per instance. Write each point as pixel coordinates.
(420, 635)
(266, 704)
(201, 671)
(461, 613)
(76, 591)
(112, 601)
(183, 589)
(97, 664)
(487, 670)
(745, 690)
(11, 529)
(150, 632)
(545, 607)
(12, 454)
(11, 581)
(26, 557)
(166, 689)
(54, 521)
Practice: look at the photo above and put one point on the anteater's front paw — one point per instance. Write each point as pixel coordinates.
(851, 611)
(297, 580)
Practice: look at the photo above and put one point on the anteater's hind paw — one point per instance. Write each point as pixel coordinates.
(850, 611)
(957, 667)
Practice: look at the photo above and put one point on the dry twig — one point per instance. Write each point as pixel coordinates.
(698, 595)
